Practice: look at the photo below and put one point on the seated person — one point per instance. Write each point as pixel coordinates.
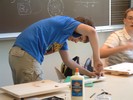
(118, 47)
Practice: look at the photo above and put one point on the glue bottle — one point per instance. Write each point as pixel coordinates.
(77, 86)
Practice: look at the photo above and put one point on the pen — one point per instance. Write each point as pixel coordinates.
(92, 95)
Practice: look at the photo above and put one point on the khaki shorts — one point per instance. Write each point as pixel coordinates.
(24, 67)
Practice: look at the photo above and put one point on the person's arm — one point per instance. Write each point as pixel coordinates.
(106, 51)
(73, 65)
(90, 32)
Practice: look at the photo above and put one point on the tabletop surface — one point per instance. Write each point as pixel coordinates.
(120, 88)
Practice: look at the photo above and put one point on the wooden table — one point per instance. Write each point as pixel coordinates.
(120, 88)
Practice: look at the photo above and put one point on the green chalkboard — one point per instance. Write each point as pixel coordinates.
(16, 15)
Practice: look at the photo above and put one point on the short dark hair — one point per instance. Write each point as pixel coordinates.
(85, 21)
(128, 10)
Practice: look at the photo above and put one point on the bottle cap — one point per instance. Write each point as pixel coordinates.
(77, 70)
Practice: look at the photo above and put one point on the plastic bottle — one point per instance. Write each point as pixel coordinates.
(77, 86)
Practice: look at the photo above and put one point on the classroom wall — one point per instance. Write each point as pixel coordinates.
(80, 49)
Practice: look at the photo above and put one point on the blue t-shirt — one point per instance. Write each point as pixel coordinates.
(47, 36)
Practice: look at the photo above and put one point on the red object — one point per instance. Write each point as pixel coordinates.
(77, 70)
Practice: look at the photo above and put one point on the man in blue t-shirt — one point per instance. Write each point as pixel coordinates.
(48, 36)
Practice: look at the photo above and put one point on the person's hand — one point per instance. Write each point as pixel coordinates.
(98, 75)
(95, 74)
(129, 45)
(98, 67)
(92, 74)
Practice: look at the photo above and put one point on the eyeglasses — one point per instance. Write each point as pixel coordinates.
(130, 18)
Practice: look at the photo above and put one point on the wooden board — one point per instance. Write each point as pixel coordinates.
(34, 88)
(120, 69)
